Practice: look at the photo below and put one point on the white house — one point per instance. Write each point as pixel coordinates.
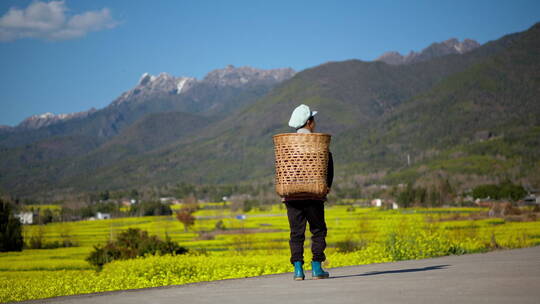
(103, 216)
(384, 203)
(25, 217)
(376, 202)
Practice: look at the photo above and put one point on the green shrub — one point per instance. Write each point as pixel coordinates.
(249, 204)
(505, 190)
(132, 243)
(11, 238)
(220, 225)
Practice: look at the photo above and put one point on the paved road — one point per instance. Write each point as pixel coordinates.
(508, 276)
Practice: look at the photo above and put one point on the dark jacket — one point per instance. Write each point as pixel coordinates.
(330, 174)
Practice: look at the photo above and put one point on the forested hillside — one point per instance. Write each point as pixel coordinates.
(472, 116)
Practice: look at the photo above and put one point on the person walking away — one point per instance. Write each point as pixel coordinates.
(307, 209)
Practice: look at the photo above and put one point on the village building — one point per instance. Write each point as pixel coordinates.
(388, 204)
(530, 200)
(25, 217)
(103, 216)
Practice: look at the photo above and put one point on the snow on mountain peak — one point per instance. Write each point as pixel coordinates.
(48, 118)
(166, 84)
(181, 83)
(44, 115)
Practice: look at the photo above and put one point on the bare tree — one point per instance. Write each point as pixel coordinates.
(185, 216)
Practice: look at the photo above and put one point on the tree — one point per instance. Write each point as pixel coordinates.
(421, 196)
(104, 196)
(46, 217)
(486, 191)
(150, 208)
(434, 197)
(406, 197)
(134, 194)
(185, 216)
(11, 238)
(511, 191)
(446, 191)
(505, 190)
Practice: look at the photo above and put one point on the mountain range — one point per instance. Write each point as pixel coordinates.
(460, 110)
(450, 46)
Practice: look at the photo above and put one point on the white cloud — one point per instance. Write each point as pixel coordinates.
(49, 21)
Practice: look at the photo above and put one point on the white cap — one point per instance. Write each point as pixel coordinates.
(300, 116)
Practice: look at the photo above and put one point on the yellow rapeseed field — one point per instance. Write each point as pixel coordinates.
(256, 245)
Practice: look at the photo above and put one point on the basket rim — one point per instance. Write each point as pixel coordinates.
(301, 134)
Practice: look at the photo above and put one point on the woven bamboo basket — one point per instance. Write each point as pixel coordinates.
(301, 164)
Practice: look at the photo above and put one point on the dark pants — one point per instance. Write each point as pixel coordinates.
(298, 213)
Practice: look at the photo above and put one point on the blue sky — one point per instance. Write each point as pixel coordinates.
(69, 56)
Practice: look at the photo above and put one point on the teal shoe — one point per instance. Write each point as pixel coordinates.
(298, 271)
(317, 272)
